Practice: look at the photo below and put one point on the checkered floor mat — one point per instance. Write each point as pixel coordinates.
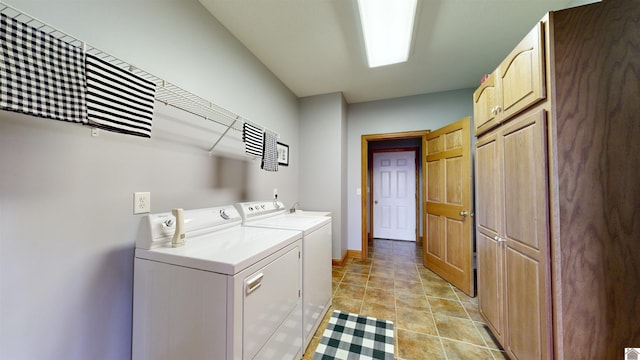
(351, 336)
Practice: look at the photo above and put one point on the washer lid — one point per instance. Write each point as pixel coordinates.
(226, 252)
(303, 223)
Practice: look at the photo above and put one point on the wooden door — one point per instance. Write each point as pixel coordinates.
(449, 242)
(488, 216)
(394, 195)
(526, 235)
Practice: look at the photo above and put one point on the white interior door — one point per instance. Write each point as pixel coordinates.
(394, 195)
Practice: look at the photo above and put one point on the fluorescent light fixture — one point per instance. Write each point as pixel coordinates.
(387, 26)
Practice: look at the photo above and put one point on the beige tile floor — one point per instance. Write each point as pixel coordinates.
(433, 319)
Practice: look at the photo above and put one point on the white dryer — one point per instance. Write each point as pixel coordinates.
(316, 255)
(231, 292)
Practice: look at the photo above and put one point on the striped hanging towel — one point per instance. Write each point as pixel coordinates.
(118, 100)
(253, 138)
(270, 155)
(40, 75)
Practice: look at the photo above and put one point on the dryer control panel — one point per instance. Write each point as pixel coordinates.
(158, 229)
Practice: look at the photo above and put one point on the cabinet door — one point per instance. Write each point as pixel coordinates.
(484, 105)
(526, 230)
(489, 202)
(490, 282)
(521, 75)
(489, 197)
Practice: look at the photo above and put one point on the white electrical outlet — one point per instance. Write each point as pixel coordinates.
(141, 202)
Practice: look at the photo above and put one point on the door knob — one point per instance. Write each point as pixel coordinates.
(464, 213)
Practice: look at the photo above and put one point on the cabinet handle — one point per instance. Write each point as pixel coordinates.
(498, 109)
(493, 110)
(254, 283)
(496, 238)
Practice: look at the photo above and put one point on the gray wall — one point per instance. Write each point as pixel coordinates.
(582, 2)
(66, 226)
(421, 112)
(323, 161)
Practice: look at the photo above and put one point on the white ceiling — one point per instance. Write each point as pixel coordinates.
(315, 46)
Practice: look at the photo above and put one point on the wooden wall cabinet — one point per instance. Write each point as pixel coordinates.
(485, 101)
(557, 191)
(516, 84)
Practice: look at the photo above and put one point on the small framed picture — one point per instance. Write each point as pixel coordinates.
(283, 154)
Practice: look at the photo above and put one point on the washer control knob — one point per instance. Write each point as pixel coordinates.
(224, 215)
(169, 222)
(250, 208)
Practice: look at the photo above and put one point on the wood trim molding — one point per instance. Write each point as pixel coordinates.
(354, 254)
(364, 194)
(350, 254)
(395, 136)
(340, 262)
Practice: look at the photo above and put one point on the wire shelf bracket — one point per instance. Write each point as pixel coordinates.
(221, 136)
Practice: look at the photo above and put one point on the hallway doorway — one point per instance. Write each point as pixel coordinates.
(411, 141)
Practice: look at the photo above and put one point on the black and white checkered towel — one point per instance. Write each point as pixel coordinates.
(40, 75)
(352, 336)
(253, 138)
(270, 152)
(118, 100)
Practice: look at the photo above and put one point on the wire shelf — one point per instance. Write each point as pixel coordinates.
(166, 92)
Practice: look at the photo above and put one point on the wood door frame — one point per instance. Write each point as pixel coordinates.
(364, 173)
(416, 151)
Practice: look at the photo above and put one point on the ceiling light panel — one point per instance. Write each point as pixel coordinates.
(387, 26)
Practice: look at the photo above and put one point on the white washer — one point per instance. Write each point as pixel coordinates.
(316, 255)
(231, 292)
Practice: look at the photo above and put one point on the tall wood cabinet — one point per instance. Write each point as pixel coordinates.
(513, 234)
(558, 189)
